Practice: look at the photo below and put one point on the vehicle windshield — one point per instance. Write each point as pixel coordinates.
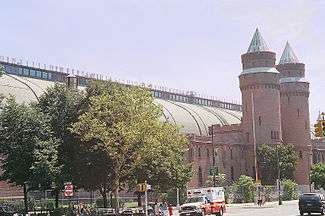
(195, 199)
(310, 197)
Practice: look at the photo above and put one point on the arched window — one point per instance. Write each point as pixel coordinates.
(200, 177)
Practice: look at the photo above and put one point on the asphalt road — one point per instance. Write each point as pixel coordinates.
(269, 209)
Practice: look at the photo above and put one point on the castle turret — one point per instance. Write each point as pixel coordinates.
(295, 110)
(260, 88)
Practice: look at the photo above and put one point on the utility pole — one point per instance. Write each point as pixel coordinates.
(177, 194)
(146, 199)
(213, 156)
(254, 138)
(310, 166)
(279, 174)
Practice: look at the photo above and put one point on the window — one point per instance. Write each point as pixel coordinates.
(232, 173)
(306, 125)
(247, 137)
(300, 155)
(39, 74)
(298, 112)
(231, 154)
(208, 153)
(32, 73)
(199, 152)
(259, 121)
(200, 177)
(254, 172)
(26, 72)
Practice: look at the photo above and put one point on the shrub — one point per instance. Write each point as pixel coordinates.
(289, 189)
(243, 189)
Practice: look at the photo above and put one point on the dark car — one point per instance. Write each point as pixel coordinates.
(312, 203)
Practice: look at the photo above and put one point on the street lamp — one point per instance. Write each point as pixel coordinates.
(213, 156)
(279, 172)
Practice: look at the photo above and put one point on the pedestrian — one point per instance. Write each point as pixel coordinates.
(170, 210)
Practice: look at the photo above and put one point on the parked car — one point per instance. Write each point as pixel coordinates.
(312, 203)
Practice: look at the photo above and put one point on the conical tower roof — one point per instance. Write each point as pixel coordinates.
(288, 56)
(258, 43)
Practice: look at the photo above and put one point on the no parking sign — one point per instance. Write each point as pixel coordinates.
(68, 189)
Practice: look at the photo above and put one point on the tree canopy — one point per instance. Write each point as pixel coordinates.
(27, 145)
(268, 162)
(28, 150)
(123, 125)
(107, 138)
(317, 175)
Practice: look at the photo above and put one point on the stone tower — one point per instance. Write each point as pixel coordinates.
(294, 91)
(260, 88)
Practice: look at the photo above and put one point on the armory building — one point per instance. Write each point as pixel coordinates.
(275, 108)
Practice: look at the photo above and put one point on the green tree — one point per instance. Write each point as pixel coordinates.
(29, 152)
(268, 162)
(243, 189)
(124, 123)
(317, 175)
(220, 180)
(289, 189)
(63, 105)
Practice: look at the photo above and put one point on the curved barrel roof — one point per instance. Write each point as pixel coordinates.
(192, 118)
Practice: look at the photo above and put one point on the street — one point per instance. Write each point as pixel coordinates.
(289, 208)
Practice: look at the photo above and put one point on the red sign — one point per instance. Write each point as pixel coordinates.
(68, 190)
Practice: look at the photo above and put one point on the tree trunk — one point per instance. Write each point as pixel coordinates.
(103, 192)
(25, 198)
(117, 204)
(56, 194)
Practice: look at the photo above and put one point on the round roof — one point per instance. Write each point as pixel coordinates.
(192, 118)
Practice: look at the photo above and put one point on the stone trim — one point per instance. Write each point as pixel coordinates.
(260, 86)
(260, 70)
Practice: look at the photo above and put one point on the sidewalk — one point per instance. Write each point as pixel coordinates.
(266, 205)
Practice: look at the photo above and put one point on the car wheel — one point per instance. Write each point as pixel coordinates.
(221, 212)
(322, 211)
(301, 213)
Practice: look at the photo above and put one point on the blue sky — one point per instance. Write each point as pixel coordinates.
(184, 44)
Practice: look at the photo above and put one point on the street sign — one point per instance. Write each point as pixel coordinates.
(68, 189)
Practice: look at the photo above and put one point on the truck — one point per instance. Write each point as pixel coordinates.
(203, 201)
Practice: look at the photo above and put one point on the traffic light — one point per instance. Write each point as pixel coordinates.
(323, 128)
(319, 129)
(142, 187)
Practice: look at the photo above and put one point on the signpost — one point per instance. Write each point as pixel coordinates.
(68, 189)
(144, 187)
